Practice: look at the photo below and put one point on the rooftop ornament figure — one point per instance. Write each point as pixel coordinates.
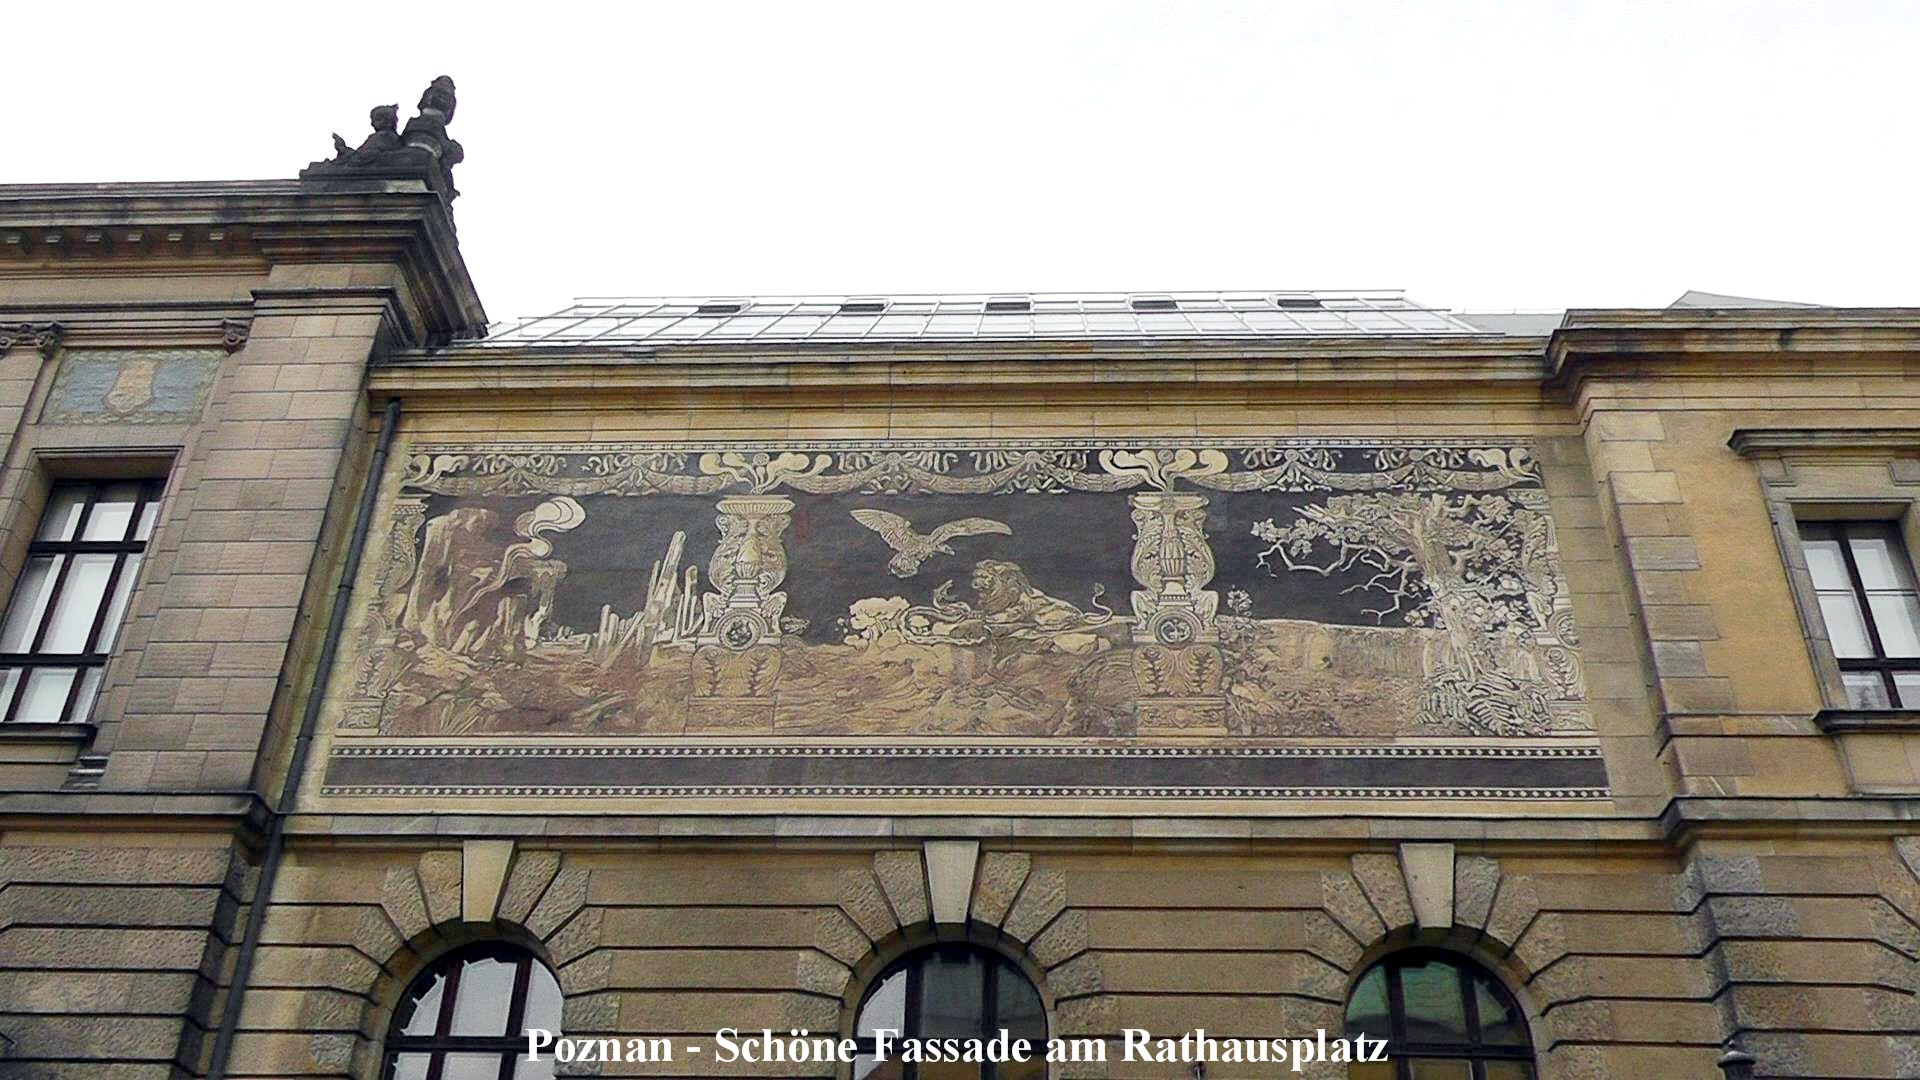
(422, 151)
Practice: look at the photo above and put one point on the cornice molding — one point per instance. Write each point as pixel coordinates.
(110, 324)
(1598, 342)
(1753, 442)
(104, 228)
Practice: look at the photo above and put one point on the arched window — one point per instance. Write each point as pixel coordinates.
(1444, 1018)
(465, 1018)
(951, 992)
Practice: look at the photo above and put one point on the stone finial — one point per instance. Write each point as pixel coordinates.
(422, 150)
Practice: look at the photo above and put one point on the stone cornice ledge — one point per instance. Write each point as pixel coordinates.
(113, 810)
(1748, 442)
(1690, 817)
(1834, 721)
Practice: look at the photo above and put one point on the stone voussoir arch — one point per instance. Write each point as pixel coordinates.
(951, 891)
(490, 891)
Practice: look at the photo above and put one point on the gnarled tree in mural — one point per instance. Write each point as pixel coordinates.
(1477, 568)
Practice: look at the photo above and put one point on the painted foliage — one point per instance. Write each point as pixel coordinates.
(1040, 588)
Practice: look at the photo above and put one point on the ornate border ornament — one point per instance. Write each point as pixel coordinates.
(45, 337)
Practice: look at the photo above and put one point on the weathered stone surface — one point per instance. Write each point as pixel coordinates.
(820, 974)
(576, 936)
(810, 1011)
(1342, 899)
(865, 904)
(1064, 938)
(1043, 897)
(1077, 977)
(837, 935)
(1330, 941)
(440, 882)
(404, 903)
(1001, 875)
(532, 872)
(1088, 1015)
(1475, 880)
(566, 895)
(903, 876)
(1514, 906)
(1379, 876)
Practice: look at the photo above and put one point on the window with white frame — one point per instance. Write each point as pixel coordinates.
(1864, 580)
(71, 598)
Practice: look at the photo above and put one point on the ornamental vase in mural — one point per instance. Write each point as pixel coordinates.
(1259, 589)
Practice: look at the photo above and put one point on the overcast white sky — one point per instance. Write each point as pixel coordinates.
(1479, 155)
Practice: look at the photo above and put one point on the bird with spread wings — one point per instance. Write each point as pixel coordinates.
(912, 548)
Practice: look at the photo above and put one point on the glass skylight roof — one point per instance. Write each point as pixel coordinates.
(976, 317)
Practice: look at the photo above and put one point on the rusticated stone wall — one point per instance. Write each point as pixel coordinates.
(110, 951)
(1628, 965)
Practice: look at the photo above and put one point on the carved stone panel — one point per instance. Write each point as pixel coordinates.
(131, 386)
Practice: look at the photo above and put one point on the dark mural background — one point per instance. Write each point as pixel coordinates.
(1038, 589)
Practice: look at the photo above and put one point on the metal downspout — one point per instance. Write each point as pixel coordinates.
(302, 746)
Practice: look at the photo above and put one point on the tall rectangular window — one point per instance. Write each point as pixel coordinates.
(1865, 583)
(71, 598)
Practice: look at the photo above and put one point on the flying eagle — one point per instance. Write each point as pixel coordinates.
(912, 548)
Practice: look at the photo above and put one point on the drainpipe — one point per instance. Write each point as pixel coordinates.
(302, 747)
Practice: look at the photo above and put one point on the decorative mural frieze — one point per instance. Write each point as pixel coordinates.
(1223, 589)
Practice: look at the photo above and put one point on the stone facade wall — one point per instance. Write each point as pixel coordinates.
(111, 948)
(1628, 965)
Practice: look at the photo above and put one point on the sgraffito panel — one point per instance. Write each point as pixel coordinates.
(1183, 592)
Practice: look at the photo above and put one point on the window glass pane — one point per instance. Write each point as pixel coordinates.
(543, 1000)
(1441, 1069)
(480, 1004)
(1500, 1023)
(534, 1070)
(1509, 1070)
(63, 512)
(29, 603)
(1897, 617)
(865, 1068)
(1908, 683)
(1879, 555)
(78, 604)
(147, 515)
(1846, 630)
(117, 608)
(9, 681)
(886, 1007)
(1373, 1070)
(426, 1010)
(1827, 565)
(89, 687)
(953, 995)
(410, 1067)
(1367, 1009)
(1436, 1011)
(112, 512)
(1017, 1005)
(44, 699)
(472, 1066)
(1865, 690)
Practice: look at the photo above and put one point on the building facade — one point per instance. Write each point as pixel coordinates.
(1540, 695)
